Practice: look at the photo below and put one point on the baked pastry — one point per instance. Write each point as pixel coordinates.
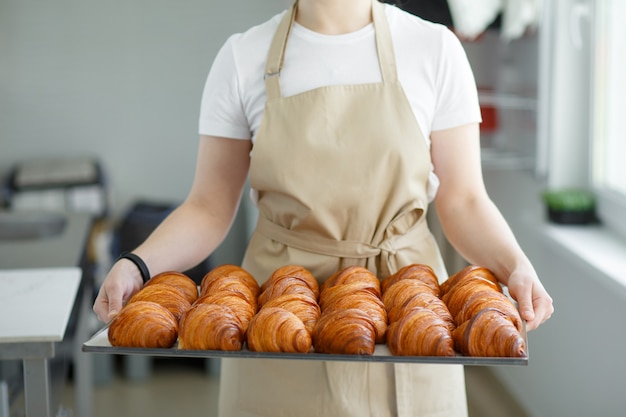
(349, 331)
(488, 323)
(355, 289)
(399, 300)
(330, 295)
(239, 306)
(165, 295)
(303, 306)
(178, 280)
(229, 271)
(143, 324)
(471, 273)
(342, 297)
(420, 332)
(208, 326)
(231, 285)
(420, 324)
(285, 284)
(479, 299)
(295, 271)
(419, 272)
(275, 329)
(353, 274)
(490, 333)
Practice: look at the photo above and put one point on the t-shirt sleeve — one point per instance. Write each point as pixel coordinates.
(221, 109)
(457, 100)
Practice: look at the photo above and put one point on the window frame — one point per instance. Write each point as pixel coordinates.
(611, 205)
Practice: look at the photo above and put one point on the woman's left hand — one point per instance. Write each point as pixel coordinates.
(534, 303)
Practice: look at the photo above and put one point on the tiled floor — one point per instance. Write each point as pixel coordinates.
(185, 388)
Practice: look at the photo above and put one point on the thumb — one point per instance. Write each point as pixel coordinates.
(525, 306)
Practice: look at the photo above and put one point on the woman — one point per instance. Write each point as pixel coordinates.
(350, 117)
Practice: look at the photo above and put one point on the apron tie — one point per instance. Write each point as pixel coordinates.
(385, 250)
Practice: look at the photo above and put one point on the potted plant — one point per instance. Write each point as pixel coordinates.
(570, 206)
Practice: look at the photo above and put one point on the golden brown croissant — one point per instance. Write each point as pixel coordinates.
(297, 272)
(420, 332)
(353, 274)
(303, 306)
(345, 332)
(420, 272)
(210, 327)
(165, 295)
(229, 271)
(398, 307)
(359, 289)
(488, 323)
(231, 285)
(366, 302)
(401, 291)
(275, 329)
(238, 304)
(471, 273)
(490, 333)
(482, 299)
(143, 324)
(180, 281)
(285, 284)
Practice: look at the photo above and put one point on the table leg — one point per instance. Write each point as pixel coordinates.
(4, 399)
(37, 387)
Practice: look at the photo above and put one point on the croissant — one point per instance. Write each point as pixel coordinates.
(178, 280)
(481, 299)
(420, 332)
(359, 289)
(231, 285)
(490, 333)
(305, 308)
(469, 273)
(297, 272)
(229, 271)
(238, 305)
(420, 272)
(275, 329)
(283, 285)
(401, 291)
(397, 308)
(345, 332)
(363, 301)
(210, 327)
(165, 295)
(353, 274)
(143, 324)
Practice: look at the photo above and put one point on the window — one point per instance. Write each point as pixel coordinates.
(609, 103)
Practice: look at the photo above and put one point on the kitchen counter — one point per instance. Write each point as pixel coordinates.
(61, 250)
(35, 307)
(48, 254)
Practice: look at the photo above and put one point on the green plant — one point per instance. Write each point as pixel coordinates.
(569, 200)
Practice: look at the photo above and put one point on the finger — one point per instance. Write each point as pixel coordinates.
(525, 306)
(115, 299)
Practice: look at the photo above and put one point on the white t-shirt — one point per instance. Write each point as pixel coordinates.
(432, 68)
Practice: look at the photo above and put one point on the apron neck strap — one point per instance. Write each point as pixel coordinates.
(276, 54)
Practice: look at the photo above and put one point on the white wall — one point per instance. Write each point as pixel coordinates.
(120, 80)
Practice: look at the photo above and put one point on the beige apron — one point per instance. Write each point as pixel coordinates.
(341, 173)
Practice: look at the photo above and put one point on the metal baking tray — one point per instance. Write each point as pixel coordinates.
(99, 343)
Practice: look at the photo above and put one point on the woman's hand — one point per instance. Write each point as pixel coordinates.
(534, 303)
(121, 283)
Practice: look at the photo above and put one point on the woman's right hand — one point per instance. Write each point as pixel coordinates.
(123, 280)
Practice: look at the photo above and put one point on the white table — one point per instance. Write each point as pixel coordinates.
(35, 306)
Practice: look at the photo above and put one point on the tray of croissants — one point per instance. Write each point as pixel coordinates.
(352, 316)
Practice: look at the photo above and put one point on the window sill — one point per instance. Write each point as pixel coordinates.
(598, 247)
